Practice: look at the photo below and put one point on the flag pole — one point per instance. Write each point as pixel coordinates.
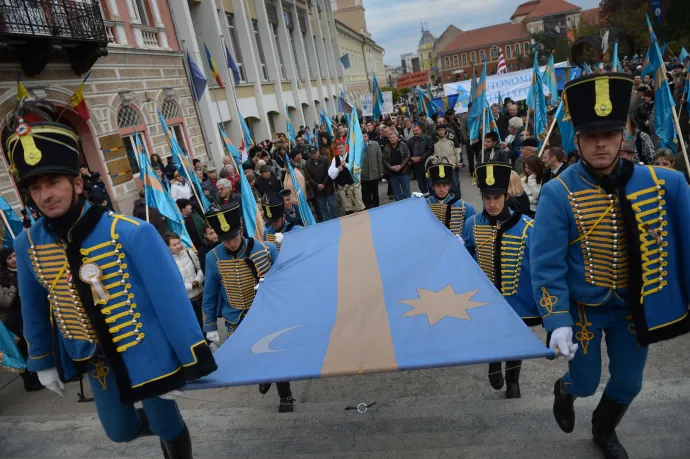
(548, 135)
(483, 131)
(7, 224)
(188, 75)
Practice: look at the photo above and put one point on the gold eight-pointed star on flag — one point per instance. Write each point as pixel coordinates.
(444, 303)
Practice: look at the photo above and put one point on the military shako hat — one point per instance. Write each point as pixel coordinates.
(226, 222)
(493, 177)
(440, 173)
(272, 204)
(598, 103)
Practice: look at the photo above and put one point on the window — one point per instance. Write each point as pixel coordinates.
(260, 50)
(482, 55)
(526, 47)
(170, 110)
(129, 121)
(279, 51)
(447, 61)
(463, 59)
(509, 52)
(303, 29)
(178, 132)
(235, 46)
(517, 48)
(455, 60)
(139, 7)
(494, 53)
(473, 56)
(294, 54)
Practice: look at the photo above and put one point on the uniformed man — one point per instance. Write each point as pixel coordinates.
(234, 270)
(292, 214)
(499, 240)
(448, 208)
(274, 210)
(609, 257)
(100, 293)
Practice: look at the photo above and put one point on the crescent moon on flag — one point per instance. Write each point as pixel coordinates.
(263, 346)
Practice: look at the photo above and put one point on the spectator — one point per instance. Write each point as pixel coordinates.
(324, 190)
(444, 148)
(179, 188)
(170, 169)
(396, 159)
(98, 197)
(232, 174)
(532, 181)
(209, 243)
(492, 152)
(518, 201)
(225, 193)
(501, 121)
(628, 152)
(155, 217)
(301, 182)
(350, 192)
(643, 112)
(199, 170)
(162, 177)
(384, 138)
(643, 142)
(97, 183)
(192, 221)
(529, 147)
(156, 160)
(325, 147)
(665, 158)
(554, 160)
(273, 166)
(372, 132)
(515, 128)
(251, 179)
(86, 177)
(190, 269)
(421, 147)
(372, 172)
(266, 182)
(407, 131)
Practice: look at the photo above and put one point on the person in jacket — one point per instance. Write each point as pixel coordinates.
(156, 160)
(154, 216)
(515, 129)
(162, 177)
(372, 172)
(554, 160)
(209, 243)
(492, 151)
(326, 148)
(273, 206)
(447, 149)
(407, 131)
(226, 195)
(324, 190)
(532, 181)
(170, 169)
(97, 184)
(449, 209)
(80, 259)
(500, 239)
(11, 312)
(179, 188)
(291, 187)
(192, 221)
(528, 147)
(501, 121)
(290, 208)
(396, 160)
(643, 112)
(234, 271)
(421, 146)
(518, 201)
(266, 182)
(192, 274)
(350, 193)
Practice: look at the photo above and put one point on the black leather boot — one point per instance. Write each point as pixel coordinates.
(263, 388)
(496, 375)
(604, 421)
(513, 379)
(31, 382)
(286, 405)
(179, 448)
(563, 409)
(144, 428)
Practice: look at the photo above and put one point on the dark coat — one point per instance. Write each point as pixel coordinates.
(422, 147)
(405, 158)
(264, 186)
(155, 217)
(317, 174)
(550, 175)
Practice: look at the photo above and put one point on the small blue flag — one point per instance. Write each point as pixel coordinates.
(355, 147)
(198, 78)
(232, 65)
(345, 60)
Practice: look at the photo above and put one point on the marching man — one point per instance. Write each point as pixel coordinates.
(101, 294)
(448, 208)
(610, 259)
(499, 240)
(274, 210)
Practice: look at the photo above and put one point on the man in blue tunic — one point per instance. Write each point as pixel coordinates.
(609, 259)
(448, 208)
(274, 211)
(234, 270)
(499, 240)
(100, 293)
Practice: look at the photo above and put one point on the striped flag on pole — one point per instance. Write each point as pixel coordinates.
(501, 63)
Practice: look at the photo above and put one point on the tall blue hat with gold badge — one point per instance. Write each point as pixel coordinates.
(226, 222)
(37, 146)
(598, 103)
(272, 204)
(440, 173)
(493, 177)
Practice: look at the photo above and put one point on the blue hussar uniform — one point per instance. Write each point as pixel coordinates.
(500, 245)
(452, 211)
(274, 210)
(610, 257)
(101, 294)
(232, 278)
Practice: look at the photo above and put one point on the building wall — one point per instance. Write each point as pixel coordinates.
(453, 61)
(426, 56)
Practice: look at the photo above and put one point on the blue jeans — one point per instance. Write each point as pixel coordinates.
(401, 186)
(328, 206)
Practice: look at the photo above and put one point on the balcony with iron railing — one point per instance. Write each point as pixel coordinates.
(36, 31)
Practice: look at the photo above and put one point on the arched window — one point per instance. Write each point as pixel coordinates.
(130, 123)
(509, 52)
(473, 56)
(517, 48)
(128, 116)
(173, 116)
(494, 52)
(170, 110)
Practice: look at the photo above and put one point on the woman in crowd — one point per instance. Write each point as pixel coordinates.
(155, 159)
(326, 148)
(209, 243)
(232, 175)
(518, 202)
(532, 181)
(190, 269)
(643, 142)
(179, 188)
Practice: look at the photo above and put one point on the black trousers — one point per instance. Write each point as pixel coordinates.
(473, 152)
(284, 389)
(315, 209)
(370, 193)
(198, 311)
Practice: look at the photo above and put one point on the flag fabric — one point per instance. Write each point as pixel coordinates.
(22, 93)
(246, 133)
(445, 103)
(158, 198)
(447, 315)
(78, 102)
(647, 66)
(10, 357)
(500, 102)
(664, 48)
(197, 77)
(536, 100)
(473, 122)
(232, 65)
(428, 106)
(290, 129)
(550, 81)
(664, 126)
(15, 224)
(326, 120)
(586, 68)
(345, 60)
(686, 95)
(479, 102)
(355, 147)
(615, 63)
(501, 68)
(682, 55)
(253, 221)
(567, 130)
(302, 204)
(377, 100)
(184, 164)
(315, 138)
(212, 67)
(343, 105)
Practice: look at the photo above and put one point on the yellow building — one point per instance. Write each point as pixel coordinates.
(425, 51)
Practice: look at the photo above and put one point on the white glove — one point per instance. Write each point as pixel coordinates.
(213, 336)
(172, 395)
(562, 342)
(279, 237)
(50, 379)
(417, 194)
(256, 287)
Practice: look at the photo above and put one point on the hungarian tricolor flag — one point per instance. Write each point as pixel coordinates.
(78, 101)
(214, 69)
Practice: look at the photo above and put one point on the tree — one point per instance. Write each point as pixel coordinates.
(548, 43)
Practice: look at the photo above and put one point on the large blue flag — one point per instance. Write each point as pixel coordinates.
(246, 133)
(290, 129)
(232, 65)
(10, 357)
(197, 77)
(428, 106)
(647, 64)
(369, 308)
(253, 221)
(326, 120)
(445, 103)
(355, 143)
(304, 210)
(15, 223)
(567, 130)
(158, 198)
(551, 82)
(377, 100)
(479, 101)
(664, 126)
(682, 55)
(536, 100)
(183, 163)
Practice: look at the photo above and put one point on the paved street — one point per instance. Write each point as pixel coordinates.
(450, 412)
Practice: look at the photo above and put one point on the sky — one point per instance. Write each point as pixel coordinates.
(395, 25)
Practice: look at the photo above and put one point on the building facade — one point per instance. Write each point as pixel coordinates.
(425, 51)
(142, 73)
